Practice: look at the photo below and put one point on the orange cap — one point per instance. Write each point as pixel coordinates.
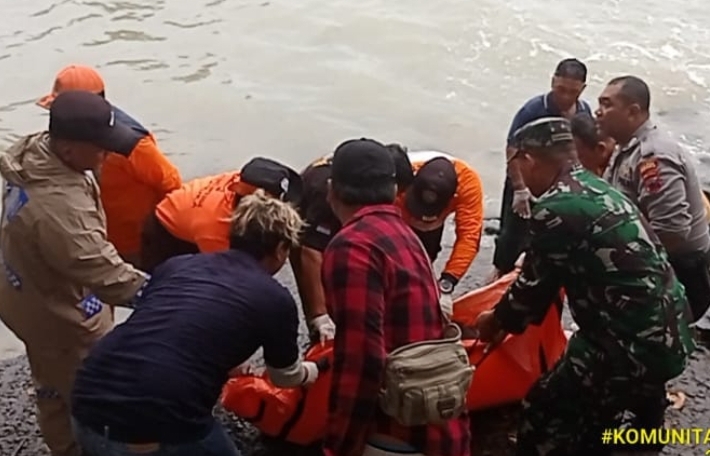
(73, 77)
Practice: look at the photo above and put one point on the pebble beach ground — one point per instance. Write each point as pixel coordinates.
(493, 430)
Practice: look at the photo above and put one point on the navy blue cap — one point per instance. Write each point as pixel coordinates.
(79, 115)
(432, 189)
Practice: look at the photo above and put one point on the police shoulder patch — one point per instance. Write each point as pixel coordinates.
(14, 199)
(650, 175)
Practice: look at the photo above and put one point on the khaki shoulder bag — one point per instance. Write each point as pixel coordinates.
(427, 382)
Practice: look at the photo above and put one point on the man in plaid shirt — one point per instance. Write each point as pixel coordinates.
(381, 295)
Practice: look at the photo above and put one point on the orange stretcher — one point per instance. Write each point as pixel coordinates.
(298, 415)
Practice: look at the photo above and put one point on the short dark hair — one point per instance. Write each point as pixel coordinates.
(585, 128)
(403, 166)
(572, 69)
(634, 90)
(377, 193)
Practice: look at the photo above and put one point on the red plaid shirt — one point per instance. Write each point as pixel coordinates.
(381, 295)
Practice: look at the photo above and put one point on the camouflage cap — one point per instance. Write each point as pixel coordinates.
(544, 132)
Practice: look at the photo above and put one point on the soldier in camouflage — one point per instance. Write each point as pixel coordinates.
(631, 310)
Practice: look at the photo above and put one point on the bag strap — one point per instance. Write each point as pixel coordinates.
(447, 321)
(455, 339)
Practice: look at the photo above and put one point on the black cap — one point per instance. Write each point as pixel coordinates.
(403, 166)
(362, 162)
(542, 133)
(274, 177)
(79, 115)
(432, 189)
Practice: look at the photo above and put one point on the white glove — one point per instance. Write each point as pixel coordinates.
(521, 203)
(324, 326)
(241, 370)
(446, 302)
(311, 372)
(519, 261)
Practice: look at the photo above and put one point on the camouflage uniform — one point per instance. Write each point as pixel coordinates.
(622, 292)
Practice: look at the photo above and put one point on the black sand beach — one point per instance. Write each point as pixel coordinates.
(494, 430)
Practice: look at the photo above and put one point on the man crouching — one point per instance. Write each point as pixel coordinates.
(150, 385)
(591, 240)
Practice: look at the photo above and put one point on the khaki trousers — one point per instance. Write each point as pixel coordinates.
(53, 373)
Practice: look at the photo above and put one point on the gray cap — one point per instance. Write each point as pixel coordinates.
(544, 132)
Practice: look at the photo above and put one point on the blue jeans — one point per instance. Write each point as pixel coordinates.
(216, 443)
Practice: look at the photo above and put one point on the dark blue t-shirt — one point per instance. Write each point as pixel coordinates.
(512, 238)
(157, 376)
(539, 107)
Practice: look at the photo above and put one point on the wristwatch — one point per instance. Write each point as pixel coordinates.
(446, 286)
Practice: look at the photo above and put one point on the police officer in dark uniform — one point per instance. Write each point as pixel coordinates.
(659, 176)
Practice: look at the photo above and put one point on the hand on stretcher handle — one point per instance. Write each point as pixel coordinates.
(472, 333)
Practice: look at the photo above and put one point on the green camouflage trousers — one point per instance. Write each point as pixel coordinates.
(566, 411)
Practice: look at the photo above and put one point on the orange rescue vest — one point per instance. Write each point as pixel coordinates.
(200, 210)
(130, 188)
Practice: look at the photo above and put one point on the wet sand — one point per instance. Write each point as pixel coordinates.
(493, 430)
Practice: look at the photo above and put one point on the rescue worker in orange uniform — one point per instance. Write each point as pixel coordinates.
(132, 180)
(445, 185)
(196, 217)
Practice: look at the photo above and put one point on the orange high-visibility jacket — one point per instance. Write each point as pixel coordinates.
(200, 210)
(467, 206)
(131, 186)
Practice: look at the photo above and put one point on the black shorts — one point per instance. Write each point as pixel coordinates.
(158, 244)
